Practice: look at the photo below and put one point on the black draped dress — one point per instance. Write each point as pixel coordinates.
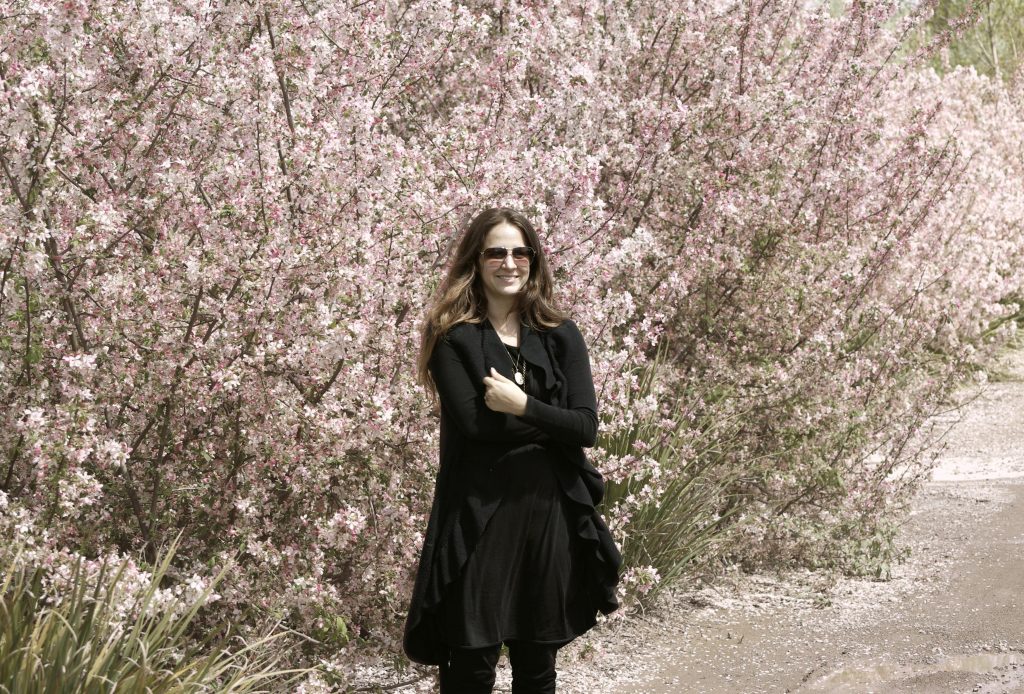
(515, 548)
(525, 579)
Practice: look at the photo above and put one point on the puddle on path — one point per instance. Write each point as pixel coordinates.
(853, 679)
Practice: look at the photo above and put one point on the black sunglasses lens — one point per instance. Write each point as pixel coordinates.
(522, 252)
(494, 253)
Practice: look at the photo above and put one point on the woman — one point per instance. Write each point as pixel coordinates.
(515, 551)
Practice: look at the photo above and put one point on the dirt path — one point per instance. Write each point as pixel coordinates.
(950, 620)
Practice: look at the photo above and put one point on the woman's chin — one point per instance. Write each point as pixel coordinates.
(509, 291)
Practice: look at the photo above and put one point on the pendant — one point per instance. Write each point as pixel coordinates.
(520, 378)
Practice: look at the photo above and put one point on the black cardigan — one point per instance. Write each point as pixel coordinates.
(474, 442)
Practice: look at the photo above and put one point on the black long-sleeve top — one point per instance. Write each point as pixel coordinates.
(476, 441)
(462, 393)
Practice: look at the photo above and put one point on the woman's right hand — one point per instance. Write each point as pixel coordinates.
(502, 395)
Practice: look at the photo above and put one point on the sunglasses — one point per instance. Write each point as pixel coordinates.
(522, 255)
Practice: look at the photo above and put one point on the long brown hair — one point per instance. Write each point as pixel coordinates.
(460, 298)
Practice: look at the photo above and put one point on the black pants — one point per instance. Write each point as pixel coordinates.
(471, 671)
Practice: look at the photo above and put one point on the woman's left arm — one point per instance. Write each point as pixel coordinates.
(576, 423)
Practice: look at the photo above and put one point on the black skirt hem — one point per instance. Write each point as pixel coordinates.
(559, 642)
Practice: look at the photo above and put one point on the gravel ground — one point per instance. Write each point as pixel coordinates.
(949, 619)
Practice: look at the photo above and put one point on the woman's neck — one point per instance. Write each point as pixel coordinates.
(504, 319)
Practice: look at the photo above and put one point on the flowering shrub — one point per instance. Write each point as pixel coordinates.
(219, 225)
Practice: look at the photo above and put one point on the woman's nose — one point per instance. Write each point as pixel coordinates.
(509, 261)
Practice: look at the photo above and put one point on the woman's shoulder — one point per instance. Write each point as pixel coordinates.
(461, 332)
(567, 328)
(567, 335)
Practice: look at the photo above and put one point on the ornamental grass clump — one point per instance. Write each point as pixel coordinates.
(69, 634)
(671, 502)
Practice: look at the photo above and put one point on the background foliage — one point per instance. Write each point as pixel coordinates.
(991, 39)
(219, 223)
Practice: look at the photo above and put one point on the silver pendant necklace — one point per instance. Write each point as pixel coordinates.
(520, 376)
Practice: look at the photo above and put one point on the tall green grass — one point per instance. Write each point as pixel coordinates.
(687, 523)
(77, 642)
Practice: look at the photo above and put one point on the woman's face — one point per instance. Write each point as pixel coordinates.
(508, 277)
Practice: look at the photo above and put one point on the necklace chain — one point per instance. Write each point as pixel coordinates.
(520, 376)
